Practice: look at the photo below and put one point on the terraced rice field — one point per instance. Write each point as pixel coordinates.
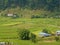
(9, 29)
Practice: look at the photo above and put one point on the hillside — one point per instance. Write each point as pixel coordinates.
(27, 13)
(50, 5)
(31, 8)
(31, 16)
(9, 29)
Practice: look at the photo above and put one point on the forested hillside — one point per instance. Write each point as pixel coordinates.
(51, 5)
(31, 8)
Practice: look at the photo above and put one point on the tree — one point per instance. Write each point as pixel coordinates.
(57, 38)
(24, 34)
(1, 4)
(45, 31)
(33, 37)
(49, 5)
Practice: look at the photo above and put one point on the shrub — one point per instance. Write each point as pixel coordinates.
(33, 37)
(57, 38)
(24, 34)
(35, 16)
(15, 16)
(45, 31)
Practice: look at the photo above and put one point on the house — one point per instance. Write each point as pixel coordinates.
(10, 15)
(13, 15)
(6, 43)
(2, 43)
(42, 34)
(58, 33)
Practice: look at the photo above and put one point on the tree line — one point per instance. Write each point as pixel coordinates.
(50, 5)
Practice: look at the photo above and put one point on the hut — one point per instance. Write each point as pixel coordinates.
(2, 43)
(13, 15)
(58, 33)
(6, 43)
(42, 34)
(10, 15)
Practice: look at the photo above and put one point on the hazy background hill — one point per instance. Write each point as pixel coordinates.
(31, 4)
(32, 7)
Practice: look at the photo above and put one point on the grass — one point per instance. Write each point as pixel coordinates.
(9, 29)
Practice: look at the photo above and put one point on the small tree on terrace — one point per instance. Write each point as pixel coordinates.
(24, 34)
(33, 37)
(45, 31)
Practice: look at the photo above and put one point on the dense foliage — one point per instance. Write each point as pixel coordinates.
(51, 5)
(33, 37)
(24, 34)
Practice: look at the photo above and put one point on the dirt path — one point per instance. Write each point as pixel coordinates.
(49, 41)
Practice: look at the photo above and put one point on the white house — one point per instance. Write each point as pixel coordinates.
(6, 43)
(2, 43)
(10, 15)
(58, 33)
(42, 34)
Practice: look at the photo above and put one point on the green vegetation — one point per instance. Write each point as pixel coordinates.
(45, 31)
(31, 8)
(33, 37)
(9, 29)
(24, 34)
(35, 16)
(52, 5)
(57, 38)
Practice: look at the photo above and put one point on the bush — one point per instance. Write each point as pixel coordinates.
(57, 38)
(24, 34)
(35, 16)
(45, 31)
(33, 37)
(15, 16)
